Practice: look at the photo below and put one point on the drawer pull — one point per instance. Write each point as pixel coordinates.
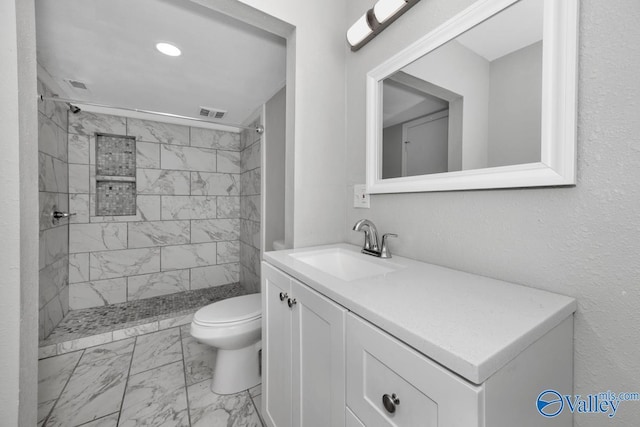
(283, 296)
(390, 402)
(291, 302)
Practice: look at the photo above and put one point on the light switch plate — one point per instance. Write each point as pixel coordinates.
(361, 197)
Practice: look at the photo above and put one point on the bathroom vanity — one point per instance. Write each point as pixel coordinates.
(352, 340)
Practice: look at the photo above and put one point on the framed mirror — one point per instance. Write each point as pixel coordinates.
(486, 100)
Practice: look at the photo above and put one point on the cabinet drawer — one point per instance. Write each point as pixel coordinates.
(425, 393)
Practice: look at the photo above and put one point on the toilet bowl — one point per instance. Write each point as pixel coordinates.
(233, 326)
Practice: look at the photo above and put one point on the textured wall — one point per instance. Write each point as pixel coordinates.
(250, 208)
(19, 221)
(53, 191)
(582, 241)
(315, 133)
(186, 230)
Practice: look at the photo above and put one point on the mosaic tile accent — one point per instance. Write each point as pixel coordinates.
(115, 198)
(115, 155)
(79, 324)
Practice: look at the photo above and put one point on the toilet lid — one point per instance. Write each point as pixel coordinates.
(245, 307)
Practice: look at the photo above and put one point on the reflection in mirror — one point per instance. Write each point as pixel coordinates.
(474, 102)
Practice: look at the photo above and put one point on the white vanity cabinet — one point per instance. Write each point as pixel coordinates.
(413, 345)
(419, 392)
(303, 354)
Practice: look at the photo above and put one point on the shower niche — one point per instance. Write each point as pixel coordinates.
(115, 175)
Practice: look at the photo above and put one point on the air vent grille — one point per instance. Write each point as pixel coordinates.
(214, 113)
(76, 84)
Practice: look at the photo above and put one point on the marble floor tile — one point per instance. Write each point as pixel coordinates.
(53, 374)
(257, 401)
(156, 349)
(199, 359)
(156, 398)
(212, 410)
(106, 351)
(94, 390)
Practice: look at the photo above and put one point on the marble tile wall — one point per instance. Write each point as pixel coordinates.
(53, 191)
(250, 209)
(185, 234)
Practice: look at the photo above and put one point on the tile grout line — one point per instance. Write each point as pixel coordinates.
(46, 419)
(124, 392)
(97, 419)
(184, 372)
(256, 407)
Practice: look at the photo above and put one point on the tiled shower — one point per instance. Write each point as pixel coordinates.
(53, 185)
(197, 213)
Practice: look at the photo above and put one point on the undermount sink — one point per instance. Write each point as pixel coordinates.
(344, 264)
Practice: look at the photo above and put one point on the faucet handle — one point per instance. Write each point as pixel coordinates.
(384, 250)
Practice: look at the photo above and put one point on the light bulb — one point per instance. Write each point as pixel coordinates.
(385, 9)
(168, 49)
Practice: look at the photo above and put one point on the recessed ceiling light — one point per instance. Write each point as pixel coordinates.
(168, 49)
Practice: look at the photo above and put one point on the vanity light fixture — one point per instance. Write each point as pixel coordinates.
(168, 49)
(369, 25)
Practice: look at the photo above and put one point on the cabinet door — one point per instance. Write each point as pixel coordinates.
(318, 359)
(276, 347)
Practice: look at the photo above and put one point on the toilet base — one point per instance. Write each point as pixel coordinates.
(236, 370)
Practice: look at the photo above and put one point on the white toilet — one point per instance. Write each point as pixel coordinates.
(234, 327)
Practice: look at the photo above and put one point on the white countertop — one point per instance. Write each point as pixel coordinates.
(473, 325)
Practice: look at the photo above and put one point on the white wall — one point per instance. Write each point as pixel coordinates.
(315, 134)
(515, 102)
(460, 70)
(581, 241)
(19, 219)
(274, 170)
(392, 151)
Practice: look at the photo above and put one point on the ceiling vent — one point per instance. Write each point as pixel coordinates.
(77, 85)
(214, 113)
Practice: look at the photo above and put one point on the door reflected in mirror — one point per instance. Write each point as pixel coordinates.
(474, 102)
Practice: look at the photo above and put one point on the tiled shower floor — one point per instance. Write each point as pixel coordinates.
(100, 325)
(156, 379)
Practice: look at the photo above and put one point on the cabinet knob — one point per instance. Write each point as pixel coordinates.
(291, 302)
(283, 296)
(390, 402)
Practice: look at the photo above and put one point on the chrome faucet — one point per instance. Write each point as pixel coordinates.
(371, 246)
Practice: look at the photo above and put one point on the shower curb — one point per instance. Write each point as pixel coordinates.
(81, 343)
(116, 335)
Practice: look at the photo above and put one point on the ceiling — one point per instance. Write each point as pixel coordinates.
(403, 103)
(110, 47)
(518, 26)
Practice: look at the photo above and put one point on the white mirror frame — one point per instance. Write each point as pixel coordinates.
(559, 98)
